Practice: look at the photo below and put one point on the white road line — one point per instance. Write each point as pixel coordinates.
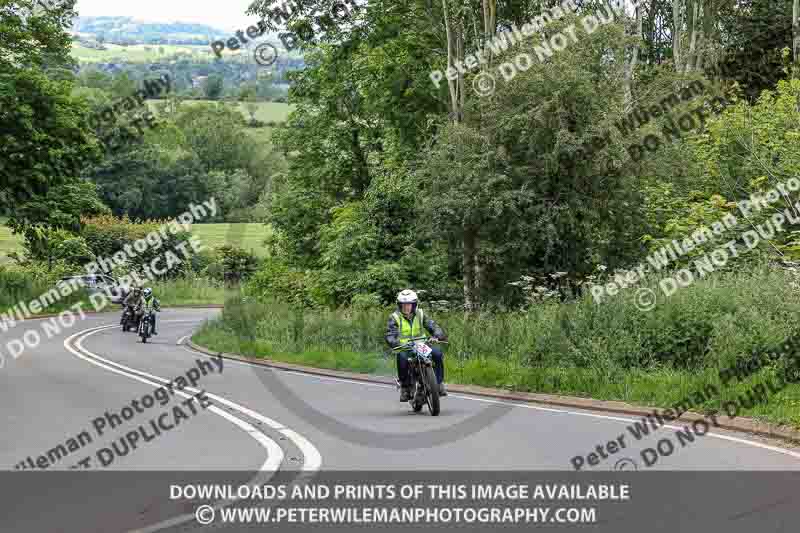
(313, 458)
(180, 341)
(311, 464)
(537, 408)
(275, 453)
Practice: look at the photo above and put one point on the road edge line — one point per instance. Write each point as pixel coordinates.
(745, 425)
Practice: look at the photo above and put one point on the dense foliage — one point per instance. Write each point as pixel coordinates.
(395, 182)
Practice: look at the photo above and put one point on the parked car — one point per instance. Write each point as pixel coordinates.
(95, 283)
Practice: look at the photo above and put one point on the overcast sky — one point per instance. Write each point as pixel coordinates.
(228, 14)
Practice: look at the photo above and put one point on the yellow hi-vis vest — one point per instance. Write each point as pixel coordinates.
(414, 328)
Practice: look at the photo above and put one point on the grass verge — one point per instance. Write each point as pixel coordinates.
(188, 291)
(612, 351)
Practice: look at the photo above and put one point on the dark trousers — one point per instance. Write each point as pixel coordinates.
(403, 374)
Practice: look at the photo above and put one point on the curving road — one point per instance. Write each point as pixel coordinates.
(261, 420)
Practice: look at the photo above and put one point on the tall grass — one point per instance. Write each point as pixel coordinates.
(191, 291)
(15, 292)
(16, 288)
(605, 351)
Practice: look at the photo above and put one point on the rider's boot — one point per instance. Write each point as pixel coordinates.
(405, 394)
(442, 389)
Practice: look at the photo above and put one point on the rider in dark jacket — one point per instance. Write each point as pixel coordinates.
(407, 322)
(131, 301)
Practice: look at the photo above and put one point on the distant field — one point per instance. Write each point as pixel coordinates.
(267, 111)
(151, 53)
(248, 236)
(138, 53)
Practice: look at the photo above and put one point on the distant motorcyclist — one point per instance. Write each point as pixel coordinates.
(131, 300)
(146, 299)
(408, 322)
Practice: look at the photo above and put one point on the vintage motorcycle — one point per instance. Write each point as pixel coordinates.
(146, 323)
(129, 320)
(426, 388)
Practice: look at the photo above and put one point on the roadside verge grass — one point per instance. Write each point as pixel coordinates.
(184, 291)
(607, 352)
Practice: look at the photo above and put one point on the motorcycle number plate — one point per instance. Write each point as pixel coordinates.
(423, 349)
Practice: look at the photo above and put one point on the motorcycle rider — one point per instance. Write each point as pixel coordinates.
(130, 301)
(408, 322)
(147, 298)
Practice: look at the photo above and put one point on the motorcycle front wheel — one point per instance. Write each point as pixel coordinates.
(432, 385)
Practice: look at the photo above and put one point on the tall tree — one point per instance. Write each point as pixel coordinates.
(796, 37)
(43, 128)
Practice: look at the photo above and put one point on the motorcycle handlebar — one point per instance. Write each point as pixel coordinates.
(410, 342)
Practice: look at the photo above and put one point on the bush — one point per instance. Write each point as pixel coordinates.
(23, 283)
(107, 235)
(203, 260)
(364, 302)
(276, 280)
(50, 245)
(238, 264)
(74, 250)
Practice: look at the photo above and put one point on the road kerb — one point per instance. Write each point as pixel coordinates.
(745, 425)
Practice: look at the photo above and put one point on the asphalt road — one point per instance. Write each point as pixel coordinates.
(262, 420)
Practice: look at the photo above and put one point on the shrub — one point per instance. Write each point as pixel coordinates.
(238, 264)
(203, 260)
(107, 235)
(277, 280)
(50, 245)
(364, 302)
(74, 250)
(23, 283)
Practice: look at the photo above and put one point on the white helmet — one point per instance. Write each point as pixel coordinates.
(407, 296)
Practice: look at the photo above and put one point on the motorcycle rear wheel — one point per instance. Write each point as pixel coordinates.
(433, 391)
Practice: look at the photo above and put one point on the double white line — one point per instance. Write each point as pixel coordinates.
(313, 459)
